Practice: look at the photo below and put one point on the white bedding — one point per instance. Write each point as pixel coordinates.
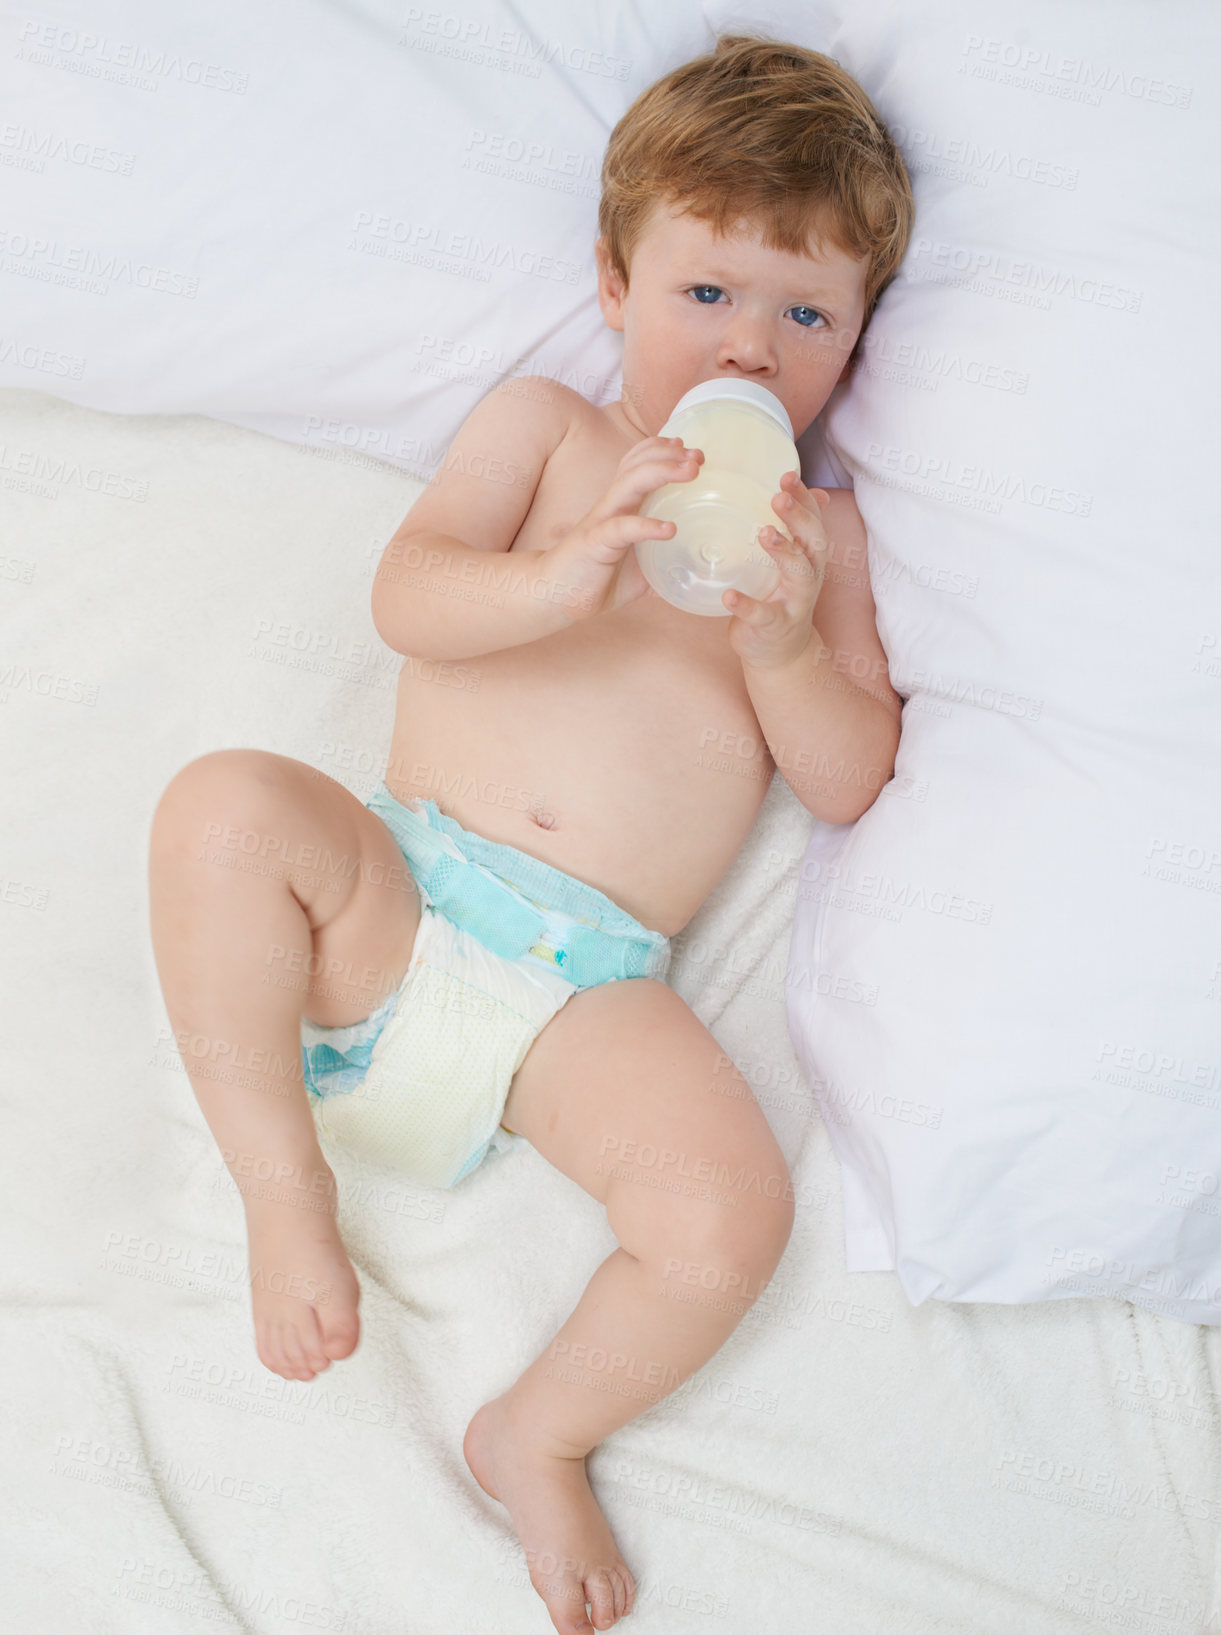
(1004, 979)
(845, 1464)
(221, 211)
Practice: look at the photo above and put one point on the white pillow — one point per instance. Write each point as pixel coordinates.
(1005, 980)
(337, 223)
(233, 212)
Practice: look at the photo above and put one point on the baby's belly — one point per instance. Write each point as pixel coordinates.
(635, 766)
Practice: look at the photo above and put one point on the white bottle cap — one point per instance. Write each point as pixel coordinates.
(746, 391)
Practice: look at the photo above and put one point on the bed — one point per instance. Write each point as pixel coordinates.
(195, 497)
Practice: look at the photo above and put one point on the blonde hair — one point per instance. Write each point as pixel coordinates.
(768, 132)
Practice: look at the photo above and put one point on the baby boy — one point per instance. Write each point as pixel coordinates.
(515, 934)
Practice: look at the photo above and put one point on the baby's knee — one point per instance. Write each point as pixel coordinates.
(728, 1266)
(223, 784)
(745, 1220)
(767, 1218)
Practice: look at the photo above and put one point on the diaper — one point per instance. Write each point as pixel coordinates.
(504, 941)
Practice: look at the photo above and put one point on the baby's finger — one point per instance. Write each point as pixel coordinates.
(670, 466)
(790, 556)
(797, 507)
(754, 610)
(769, 535)
(653, 450)
(804, 521)
(791, 483)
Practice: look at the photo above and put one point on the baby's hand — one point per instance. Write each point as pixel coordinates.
(778, 630)
(595, 560)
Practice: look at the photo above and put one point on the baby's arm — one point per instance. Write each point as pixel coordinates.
(845, 615)
(457, 533)
(444, 588)
(829, 715)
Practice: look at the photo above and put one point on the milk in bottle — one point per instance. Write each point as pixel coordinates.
(747, 441)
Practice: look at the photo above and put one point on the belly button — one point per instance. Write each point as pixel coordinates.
(543, 819)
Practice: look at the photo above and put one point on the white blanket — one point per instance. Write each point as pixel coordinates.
(846, 1465)
(1005, 987)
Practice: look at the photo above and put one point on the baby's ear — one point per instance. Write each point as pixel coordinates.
(602, 257)
(610, 287)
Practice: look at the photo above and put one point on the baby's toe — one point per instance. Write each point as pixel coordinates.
(295, 1354)
(340, 1333)
(268, 1355)
(599, 1588)
(565, 1600)
(619, 1582)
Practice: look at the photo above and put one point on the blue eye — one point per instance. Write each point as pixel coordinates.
(806, 323)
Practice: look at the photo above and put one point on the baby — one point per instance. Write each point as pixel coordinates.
(508, 942)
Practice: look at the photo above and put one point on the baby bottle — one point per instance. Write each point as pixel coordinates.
(747, 441)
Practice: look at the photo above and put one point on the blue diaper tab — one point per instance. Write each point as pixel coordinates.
(337, 1059)
(516, 904)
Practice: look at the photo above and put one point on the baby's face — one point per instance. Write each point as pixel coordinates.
(701, 307)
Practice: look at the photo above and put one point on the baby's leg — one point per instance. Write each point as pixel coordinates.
(257, 862)
(624, 1089)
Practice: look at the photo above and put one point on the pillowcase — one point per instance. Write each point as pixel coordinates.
(1004, 980)
(340, 224)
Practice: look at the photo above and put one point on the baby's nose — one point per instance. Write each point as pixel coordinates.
(748, 347)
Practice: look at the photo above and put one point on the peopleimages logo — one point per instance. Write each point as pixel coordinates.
(960, 155)
(977, 480)
(481, 257)
(472, 39)
(49, 261)
(1036, 279)
(103, 58)
(1044, 70)
(1092, 1265)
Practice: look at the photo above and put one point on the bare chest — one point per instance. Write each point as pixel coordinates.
(601, 747)
(658, 673)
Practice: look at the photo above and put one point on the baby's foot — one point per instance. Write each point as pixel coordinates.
(570, 1552)
(303, 1289)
